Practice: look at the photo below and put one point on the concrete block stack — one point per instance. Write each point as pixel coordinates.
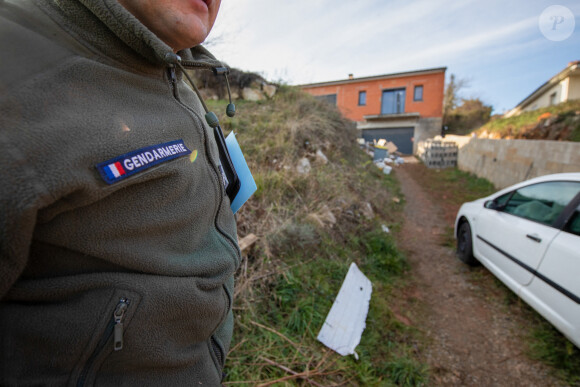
(438, 154)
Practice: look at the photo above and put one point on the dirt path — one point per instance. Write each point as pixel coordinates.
(472, 336)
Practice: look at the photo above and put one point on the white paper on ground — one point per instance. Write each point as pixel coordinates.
(345, 323)
(247, 183)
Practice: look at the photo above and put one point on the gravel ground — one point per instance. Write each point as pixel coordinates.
(473, 338)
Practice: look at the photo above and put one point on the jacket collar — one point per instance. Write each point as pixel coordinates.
(110, 29)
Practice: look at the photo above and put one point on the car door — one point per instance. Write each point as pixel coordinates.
(514, 237)
(555, 290)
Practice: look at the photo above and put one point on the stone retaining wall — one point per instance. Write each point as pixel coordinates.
(506, 162)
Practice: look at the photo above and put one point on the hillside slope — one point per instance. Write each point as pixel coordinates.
(559, 122)
(311, 226)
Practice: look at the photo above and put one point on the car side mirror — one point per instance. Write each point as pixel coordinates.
(491, 204)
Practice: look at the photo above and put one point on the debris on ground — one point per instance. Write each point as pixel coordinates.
(247, 241)
(380, 153)
(321, 157)
(384, 144)
(303, 166)
(323, 217)
(366, 209)
(345, 323)
(393, 160)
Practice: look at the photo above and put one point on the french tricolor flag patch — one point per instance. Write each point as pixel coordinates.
(139, 160)
(114, 170)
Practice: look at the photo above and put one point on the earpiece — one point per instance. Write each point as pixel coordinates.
(231, 110)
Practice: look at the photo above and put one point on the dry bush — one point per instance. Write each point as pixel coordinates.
(290, 209)
(211, 84)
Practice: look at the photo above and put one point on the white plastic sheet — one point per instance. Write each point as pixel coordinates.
(345, 323)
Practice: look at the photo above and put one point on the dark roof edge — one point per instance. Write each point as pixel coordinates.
(374, 77)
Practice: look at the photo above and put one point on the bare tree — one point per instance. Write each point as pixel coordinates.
(451, 96)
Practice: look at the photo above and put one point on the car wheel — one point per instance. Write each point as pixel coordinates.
(465, 245)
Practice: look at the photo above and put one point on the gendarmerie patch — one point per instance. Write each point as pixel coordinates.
(131, 163)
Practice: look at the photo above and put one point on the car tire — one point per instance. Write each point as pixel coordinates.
(465, 245)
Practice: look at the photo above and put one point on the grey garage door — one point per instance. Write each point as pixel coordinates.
(401, 137)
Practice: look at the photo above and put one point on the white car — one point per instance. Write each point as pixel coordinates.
(528, 236)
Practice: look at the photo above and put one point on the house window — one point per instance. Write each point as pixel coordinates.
(330, 98)
(553, 98)
(418, 93)
(362, 98)
(393, 101)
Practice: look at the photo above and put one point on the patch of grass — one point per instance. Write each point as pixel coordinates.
(575, 135)
(448, 238)
(552, 348)
(405, 372)
(509, 298)
(286, 321)
(382, 257)
(461, 186)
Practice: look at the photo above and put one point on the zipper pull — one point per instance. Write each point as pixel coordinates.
(118, 316)
(172, 77)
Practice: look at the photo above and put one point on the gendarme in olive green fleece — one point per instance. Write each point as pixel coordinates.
(126, 282)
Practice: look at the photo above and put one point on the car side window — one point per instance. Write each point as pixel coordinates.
(542, 202)
(573, 225)
(502, 200)
(498, 203)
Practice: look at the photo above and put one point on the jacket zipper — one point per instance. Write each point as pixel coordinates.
(173, 85)
(114, 328)
(118, 316)
(218, 352)
(214, 344)
(173, 82)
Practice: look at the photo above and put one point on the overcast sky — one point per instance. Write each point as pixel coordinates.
(497, 45)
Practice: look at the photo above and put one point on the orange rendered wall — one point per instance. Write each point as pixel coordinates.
(347, 95)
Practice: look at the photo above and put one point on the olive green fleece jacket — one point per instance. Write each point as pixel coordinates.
(117, 241)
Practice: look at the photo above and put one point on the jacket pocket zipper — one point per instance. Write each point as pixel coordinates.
(114, 328)
(217, 351)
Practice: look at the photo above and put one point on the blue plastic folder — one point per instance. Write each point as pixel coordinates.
(247, 183)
